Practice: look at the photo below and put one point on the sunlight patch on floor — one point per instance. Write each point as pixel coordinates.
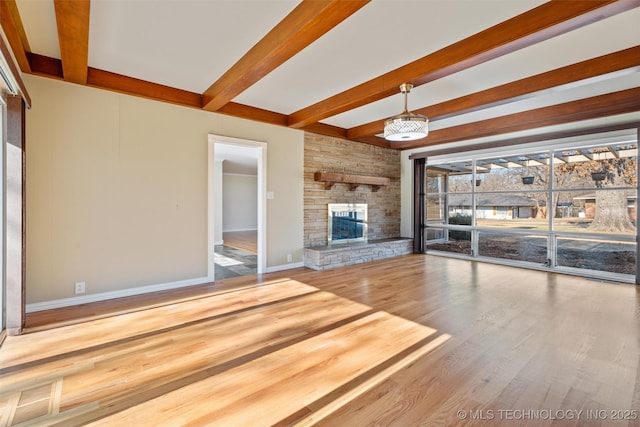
(225, 261)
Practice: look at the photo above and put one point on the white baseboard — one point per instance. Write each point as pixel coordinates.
(103, 296)
(284, 267)
(218, 242)
(239, 229)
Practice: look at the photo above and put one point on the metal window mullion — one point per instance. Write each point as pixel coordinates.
(595, 236)
(473, 193)
(474, 230)
(419, 205)
(445, 187)
(551, 241)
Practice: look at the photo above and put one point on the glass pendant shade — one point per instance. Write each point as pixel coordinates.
(406, 126)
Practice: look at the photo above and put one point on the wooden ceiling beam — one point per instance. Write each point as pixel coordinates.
(14, 31)
(252, 113)
(72, 17)
(515, 91)
(374, 140)
(625, 101)
(617, 103)
(131, 86)
(14, 70)
(310, 20)
(52, 68)
(327, 130)
(541, 23)
(338, 132)
(45, 66)
(12, 9)
(527, 139)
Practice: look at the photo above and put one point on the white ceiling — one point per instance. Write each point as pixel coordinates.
(380, 37)
(613, 34)
(189, 44)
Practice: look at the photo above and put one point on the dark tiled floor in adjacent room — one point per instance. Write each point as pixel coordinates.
(233, 262)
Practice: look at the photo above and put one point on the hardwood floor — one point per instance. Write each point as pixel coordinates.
(243, 240)
(409, 341)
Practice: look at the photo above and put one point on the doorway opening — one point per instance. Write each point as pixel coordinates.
(236, 207)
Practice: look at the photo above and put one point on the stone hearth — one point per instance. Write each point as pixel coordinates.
(340, 255)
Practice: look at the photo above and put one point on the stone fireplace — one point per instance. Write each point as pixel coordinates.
(334, 155)
(338, 172)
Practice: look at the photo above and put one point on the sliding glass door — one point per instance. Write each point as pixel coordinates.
(566, 206)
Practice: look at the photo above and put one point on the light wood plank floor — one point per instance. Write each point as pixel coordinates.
(411, 341)
(243, 240)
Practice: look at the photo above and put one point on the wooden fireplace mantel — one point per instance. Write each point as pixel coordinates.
(331, 178)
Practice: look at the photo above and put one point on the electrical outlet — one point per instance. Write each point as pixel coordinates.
(289, 257)
(80, 287)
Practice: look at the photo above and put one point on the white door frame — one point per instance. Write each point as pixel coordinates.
(3, 212)
(262, 198)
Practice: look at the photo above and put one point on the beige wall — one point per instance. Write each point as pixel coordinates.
(240, 202)
(117, 189)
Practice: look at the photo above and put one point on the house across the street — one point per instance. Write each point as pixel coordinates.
(494, 206)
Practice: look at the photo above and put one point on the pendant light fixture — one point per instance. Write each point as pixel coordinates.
(406, 126)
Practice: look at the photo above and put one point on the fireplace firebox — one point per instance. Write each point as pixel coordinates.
(347, 222)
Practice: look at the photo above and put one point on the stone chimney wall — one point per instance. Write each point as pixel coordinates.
(329, 154)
